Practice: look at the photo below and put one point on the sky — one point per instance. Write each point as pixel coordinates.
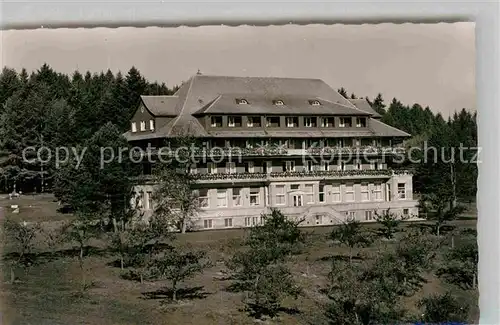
(429, 64)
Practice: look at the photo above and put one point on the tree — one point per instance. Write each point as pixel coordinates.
(443, 308)
(81, 231)
(350, 234)
(174, 196)
(460, 265)
(389, 223)
(342, 92)
(435, 208)
(258, 268)
(178, 266)
(22, 236)
(378, 104)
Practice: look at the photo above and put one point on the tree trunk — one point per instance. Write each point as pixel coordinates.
(174, 291)
(12, 274)
(437, 229)
(142, 278)
(183, 226)
(115, 226)
(453, 185)
(121, 262)
(452, 241)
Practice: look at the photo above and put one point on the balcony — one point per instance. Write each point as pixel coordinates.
(277, 176)
(364, 150)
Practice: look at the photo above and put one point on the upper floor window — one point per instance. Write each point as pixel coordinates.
(234, 121)
(278, 102)
(292, 122)
(310, 122)
(253, 122)
(241, 101)
(327, 122)
(151, 125)
(314, 102)
(216, 121)
(134, 127)
(361, 122)
(143, 126)
(273, 121)
(345, 122)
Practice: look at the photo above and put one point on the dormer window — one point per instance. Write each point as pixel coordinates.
(278, 102)
(241, 101)
(314, 102)
(345, 122)
(292, 122)
(143, 126)
(234, 121)
(361, 122)
(151, 125)
(216, 121)
(134, 127)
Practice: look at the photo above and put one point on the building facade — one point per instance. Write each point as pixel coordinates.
(292, 144)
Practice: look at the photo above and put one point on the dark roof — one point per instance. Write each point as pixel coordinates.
(263, 104)
(161, 105)
(364, 105)
(203, 93)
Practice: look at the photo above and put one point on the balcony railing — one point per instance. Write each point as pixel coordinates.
(305, 174)
(354, 150)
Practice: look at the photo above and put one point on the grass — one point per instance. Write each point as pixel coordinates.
(49, 293)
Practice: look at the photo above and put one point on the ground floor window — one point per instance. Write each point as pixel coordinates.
(208, 223)
(321, 193)
(368, 215)
(406, 212)
(228, 222)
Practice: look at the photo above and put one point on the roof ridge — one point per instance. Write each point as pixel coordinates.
(183, 105)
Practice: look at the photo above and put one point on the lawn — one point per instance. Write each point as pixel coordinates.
(47, 293)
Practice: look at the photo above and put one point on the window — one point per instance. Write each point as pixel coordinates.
(278, 102)
(255, 221)
(292, 122)
(358, 165)
(150, 201)
(249, 167)
(389, 192)
(401, 191)
(336, 197)
(253, 122)
(365, 194)
(345, 122)
(327, 122)
(351, 215)
(368, 215)
(309, 193)
(289, 166)
(406, 212)
(297, 200)
(326, 166)
(377, 192)
(280, 194)
(134, 127)
(319, 220)
(234, 121)
(361, 122)
(212, 168)
(349, 192)
(207, 223)
(341, 143)
(267, 167)
(143, 126)
(310, 122)
(309, 165)
(236, 197)
(273, 121)
(228, 222)
(314, 102)
(241, 101)
(151, 125)
(294, 187)
(248, 221)
(254, 196)
(230, 167)
(222, 198)
(321, 193)
(216, 121)
(203, 198)
(342, 165)
(193, 169)
(356, 142)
